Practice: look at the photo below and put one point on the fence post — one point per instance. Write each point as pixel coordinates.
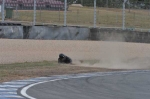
(116, 19)
(77, 15)
(40, 14)
(16, 12)
(59, 15)
(65, 13)
(34, 16)
(3, 10)
(123, 15)
(94, 13)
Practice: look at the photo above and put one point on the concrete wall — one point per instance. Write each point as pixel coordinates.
(73, 33)
(59, 33)
(119, 35)
(11, 32)
(85, 33)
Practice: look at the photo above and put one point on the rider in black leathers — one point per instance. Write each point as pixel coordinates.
(64, 59)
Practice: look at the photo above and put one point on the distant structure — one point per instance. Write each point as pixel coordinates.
(28, 4)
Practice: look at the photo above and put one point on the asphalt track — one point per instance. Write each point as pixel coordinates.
(116, 86)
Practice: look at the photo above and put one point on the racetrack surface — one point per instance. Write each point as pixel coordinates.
(117, 86)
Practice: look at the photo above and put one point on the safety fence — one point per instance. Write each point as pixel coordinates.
(97, 13)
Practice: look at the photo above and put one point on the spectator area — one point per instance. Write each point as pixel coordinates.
(28, 4)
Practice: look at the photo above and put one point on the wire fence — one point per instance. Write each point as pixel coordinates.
(117, 14)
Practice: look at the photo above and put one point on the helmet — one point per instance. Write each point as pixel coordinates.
(61, 55)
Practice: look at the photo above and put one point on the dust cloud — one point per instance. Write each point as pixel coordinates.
(114, 55)
(134, 64)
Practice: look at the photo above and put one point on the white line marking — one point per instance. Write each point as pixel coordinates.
(2, 93)
(5, 89)
(10, 96)
(16, 83)
(14, 86)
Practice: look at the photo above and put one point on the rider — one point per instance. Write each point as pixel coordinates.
(64, 59)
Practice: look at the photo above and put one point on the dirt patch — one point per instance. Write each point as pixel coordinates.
(118, 55)
(76, 5)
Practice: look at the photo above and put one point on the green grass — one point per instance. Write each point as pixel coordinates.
(18, 68)
(109, 17)
(26, 65)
